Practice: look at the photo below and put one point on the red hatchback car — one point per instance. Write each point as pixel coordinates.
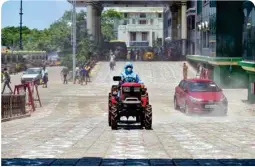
(199, 96)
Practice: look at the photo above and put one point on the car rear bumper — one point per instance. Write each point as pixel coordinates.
(23, 80)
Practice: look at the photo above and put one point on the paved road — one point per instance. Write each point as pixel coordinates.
(73, 124)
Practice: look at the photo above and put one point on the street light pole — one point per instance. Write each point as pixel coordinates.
(74, 36)
(20, 28)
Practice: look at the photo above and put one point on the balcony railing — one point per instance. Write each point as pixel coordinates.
(139, 43)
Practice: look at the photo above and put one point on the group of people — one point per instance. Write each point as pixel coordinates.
(202, 72)
(82, 74)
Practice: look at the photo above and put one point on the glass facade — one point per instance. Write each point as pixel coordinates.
(249, 31)
(207, 28)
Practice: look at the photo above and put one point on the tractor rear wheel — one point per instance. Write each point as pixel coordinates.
(148, 117)
(114, 117)
(109, 118)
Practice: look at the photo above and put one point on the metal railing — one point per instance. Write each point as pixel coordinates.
(13, 106)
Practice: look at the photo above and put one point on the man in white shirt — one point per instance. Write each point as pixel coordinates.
(112, 60)
(45, 76)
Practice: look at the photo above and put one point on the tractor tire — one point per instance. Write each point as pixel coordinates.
(148, 117)
(109, 102)
(109, 118)
(114, 117)
(148, 100)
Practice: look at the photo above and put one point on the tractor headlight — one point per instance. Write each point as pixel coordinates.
(137, 89)
(126, 89)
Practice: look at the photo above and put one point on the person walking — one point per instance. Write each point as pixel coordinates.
(83, 74)
(7, 80)
(77, 75)
(87, 68)
(185, 71)
(64, 73)
(45, 77)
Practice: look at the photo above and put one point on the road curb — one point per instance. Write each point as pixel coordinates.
(17, 117)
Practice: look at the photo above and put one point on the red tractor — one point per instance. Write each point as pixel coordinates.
(133, 101)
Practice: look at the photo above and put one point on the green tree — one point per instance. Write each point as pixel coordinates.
(110, 19)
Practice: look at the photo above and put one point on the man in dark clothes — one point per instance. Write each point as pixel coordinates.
(65, 72)
(7, 80)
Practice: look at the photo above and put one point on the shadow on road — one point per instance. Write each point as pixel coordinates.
(96, 161)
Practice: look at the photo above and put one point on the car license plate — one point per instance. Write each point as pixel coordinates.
(209, 106)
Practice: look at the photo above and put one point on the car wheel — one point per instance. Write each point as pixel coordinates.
(186, 109)
(175, 104)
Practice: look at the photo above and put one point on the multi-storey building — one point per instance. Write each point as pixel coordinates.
(220, 35)
(141, 27)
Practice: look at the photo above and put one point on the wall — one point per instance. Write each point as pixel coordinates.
(251, 97)
(229, 31)
(237, 78)
(123, 35)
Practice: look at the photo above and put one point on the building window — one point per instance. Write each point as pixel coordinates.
(133, 21)
(142, 21)
(144, 36)
(160, 40)
(142, 15)
(159, 15)
(125, 15)
(126, 22)
(205, 39)
(132, 36)
(151, 21)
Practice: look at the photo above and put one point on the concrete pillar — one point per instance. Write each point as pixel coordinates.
(174, 30)
(94, 11)
(150, 38)
(91, 20)
(183, 26)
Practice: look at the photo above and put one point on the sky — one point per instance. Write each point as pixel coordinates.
(37, 14)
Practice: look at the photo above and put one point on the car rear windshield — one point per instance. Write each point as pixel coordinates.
(203, 87)
(32, 71)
